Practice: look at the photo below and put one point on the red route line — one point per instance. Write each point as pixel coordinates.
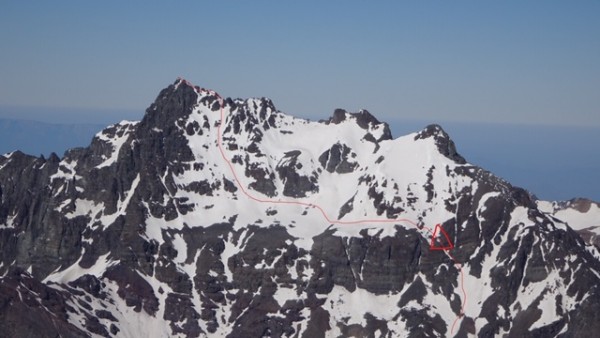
(315, 206)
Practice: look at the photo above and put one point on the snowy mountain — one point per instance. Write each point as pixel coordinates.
(226, 217)
(580, 214)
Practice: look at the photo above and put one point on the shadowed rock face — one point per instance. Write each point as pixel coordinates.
(295, 185)
(338, 159)
(116, 240)
(445, 145)
(29, 308)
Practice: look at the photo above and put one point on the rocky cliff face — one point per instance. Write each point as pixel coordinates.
(226, 217)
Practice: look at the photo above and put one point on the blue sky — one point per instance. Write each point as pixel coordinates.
(477, 61)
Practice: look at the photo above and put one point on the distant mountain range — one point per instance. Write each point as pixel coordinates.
(221, 217)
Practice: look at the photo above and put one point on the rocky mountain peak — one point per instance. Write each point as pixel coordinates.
(362, 118)
(443, 141)
(174, 102)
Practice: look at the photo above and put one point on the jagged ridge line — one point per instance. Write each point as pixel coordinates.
(311, 205)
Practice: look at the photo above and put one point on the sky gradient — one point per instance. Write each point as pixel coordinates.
(478, 61)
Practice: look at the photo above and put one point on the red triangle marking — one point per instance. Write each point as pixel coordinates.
(442, 236)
